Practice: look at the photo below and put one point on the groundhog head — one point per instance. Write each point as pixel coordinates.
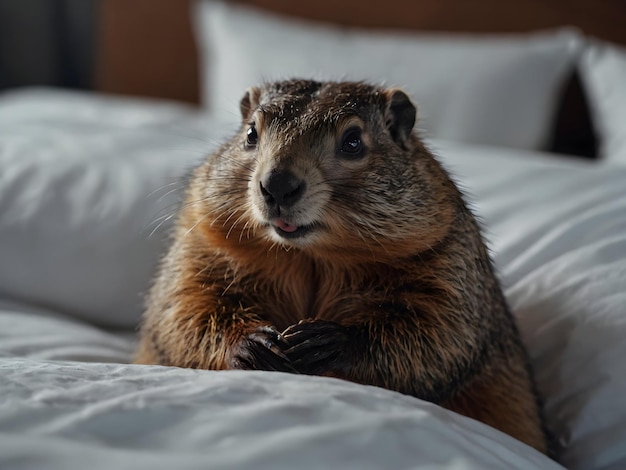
(327, 167)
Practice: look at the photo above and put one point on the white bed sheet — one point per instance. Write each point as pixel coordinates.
(557, 228)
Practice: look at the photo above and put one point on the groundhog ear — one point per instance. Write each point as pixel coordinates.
(249, 102)
(400, 115)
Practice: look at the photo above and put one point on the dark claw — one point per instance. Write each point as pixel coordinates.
(262, 349)
(321, 346)
(275, 343)
(316, 346)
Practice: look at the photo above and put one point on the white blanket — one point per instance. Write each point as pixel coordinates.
(77, 202)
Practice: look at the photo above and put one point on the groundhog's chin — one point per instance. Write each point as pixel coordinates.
(291, 228)
(289, 234)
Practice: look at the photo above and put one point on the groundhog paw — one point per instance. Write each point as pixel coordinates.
(317, 347)
(262, 349)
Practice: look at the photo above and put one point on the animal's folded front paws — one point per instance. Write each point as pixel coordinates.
(317, 347)
(262, 349)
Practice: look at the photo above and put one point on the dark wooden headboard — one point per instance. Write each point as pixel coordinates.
(146, 47)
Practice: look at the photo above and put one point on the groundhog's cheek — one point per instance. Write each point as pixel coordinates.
(255, 201)
(316, 202)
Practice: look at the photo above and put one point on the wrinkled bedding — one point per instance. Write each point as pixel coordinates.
(86, 192)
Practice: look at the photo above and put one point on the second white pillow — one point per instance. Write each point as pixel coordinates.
(497, 89)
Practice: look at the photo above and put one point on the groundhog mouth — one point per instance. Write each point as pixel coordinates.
(291, 231)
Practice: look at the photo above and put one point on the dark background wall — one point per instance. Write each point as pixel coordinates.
(47, 42)
(146, 47)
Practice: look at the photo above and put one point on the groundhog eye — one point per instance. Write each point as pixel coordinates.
(252, 137)
(352, 144)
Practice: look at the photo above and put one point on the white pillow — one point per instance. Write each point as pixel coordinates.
(487, 89)
(603, 73)
(84, 181)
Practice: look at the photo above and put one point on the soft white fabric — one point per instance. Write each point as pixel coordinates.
(85, 183)
(558, 232)
(557, 228)
(603, 72)
(499, 89)
(114, 417)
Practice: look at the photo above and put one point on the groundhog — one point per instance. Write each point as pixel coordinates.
(324, 238)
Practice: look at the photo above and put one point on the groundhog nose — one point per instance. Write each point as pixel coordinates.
(282, 188)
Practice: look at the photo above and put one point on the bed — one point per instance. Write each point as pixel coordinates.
(89, 186)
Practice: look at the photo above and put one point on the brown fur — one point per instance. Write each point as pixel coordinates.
(393, 287)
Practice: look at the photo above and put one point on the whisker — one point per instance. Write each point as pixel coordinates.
(230, 178)
(245, 226)
(251, 229)
(160, 224)
(178, 184)
(272, 247)
(226, 206)
(220, 215)
(197, 223)
(234, 224)
(189, 204)
(234, 211)
(237, 162)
